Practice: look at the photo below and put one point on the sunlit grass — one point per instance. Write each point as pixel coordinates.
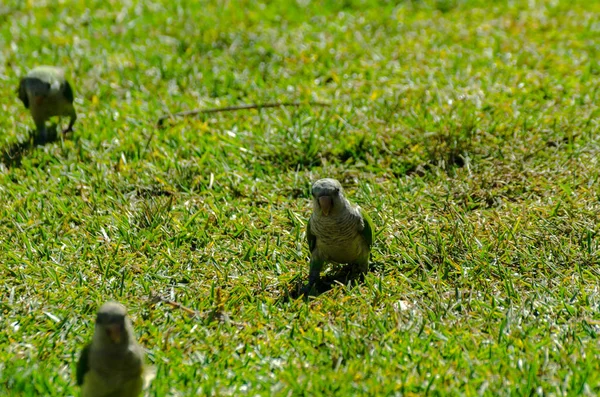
(467, 129)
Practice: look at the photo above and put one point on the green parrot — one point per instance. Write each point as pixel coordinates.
(112, 365)
(337, 231)
(46, 93)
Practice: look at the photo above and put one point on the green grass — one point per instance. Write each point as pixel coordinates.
(467, 129)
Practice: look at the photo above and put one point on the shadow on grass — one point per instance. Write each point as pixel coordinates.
(344, 276)
(13, 154)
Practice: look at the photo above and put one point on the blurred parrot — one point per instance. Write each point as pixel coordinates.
(46, 93)
(113, 363)
(337, 231)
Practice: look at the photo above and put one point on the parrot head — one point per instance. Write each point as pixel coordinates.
(327, 194)
(112, 324)
(40, 89)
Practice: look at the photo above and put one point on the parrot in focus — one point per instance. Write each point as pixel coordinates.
(112, 365)
(46, 93)
(337, 231)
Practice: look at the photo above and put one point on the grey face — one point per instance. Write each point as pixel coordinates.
(111, 323)
(326, 193)
(37, 87)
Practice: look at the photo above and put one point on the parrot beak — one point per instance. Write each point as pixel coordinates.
(114, 332)
(325, 202)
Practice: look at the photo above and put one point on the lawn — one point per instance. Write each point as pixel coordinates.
(467, 129)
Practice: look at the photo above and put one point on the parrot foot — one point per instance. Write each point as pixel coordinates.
(41, 138)
(310, 287)
(70, 126)
(307, 289)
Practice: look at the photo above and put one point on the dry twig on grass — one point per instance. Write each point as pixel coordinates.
(194, 112)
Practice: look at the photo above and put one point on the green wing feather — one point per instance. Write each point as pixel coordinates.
(22, 92)
(83, 365)
(311, 238)
(68, 91)
(369, 230)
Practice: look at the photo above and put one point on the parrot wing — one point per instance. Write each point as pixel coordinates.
(311, 238)
(67, 91)
(368, 230)
(22, 92)
(83, 365)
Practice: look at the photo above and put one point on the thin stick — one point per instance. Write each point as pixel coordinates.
(177, 305)
(235, 108)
